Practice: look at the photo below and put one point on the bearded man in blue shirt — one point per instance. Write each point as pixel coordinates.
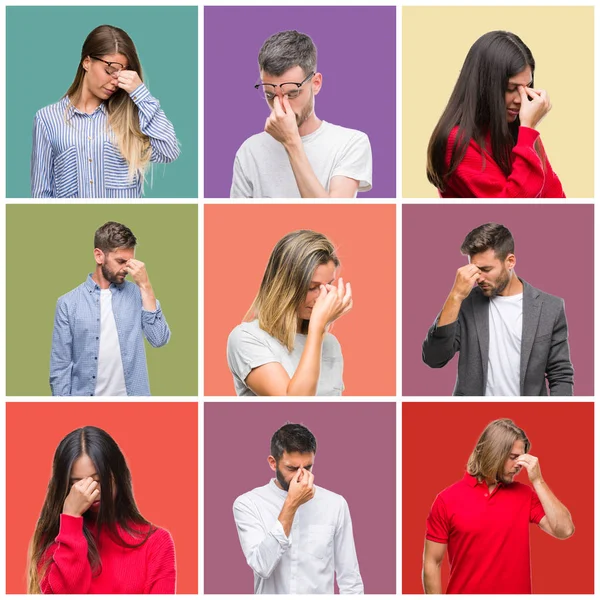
(97, 343)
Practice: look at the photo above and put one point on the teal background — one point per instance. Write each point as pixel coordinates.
(43, 47)
(50, 251)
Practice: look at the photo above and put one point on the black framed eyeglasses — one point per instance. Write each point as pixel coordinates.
(112, 68)
(291, 89)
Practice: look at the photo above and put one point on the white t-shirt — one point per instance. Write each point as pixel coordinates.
(110, 379)
(504, 358)
(320, 544)
(262, 167)
(249, 347)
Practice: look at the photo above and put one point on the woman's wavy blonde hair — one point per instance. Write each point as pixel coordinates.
(286, 282)
(493, 449)
(123, 114)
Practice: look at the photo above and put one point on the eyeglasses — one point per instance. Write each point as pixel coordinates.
(290, 89)
(113, 67)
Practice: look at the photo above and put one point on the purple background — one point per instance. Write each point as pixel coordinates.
(554, 246)
(356, 457)
(356, 53)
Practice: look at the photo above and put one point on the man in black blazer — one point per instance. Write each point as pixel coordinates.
(511, 336)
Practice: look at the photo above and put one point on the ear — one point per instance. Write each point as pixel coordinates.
(317, 82)
(511, 261)
(99, 256)
(86, 63)
(272, 463)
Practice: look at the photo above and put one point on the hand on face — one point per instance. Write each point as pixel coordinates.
(532, 465)
(128, 80)
(137, 270)
(301, 488)
(466, 278)
(333, 302)
(82, 495)
(534, 110)
(281, 123)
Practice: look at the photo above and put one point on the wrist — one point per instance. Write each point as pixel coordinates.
(527, 123)
(457, 297)
(71, 513)
(293, 143)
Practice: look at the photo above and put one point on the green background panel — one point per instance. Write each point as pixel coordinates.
(43, 48)
(49, 250)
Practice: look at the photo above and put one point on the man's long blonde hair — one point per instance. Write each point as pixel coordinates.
(286, 282)
(493, 449)
(123, 114)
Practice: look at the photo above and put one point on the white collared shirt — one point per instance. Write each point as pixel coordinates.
(320, 543)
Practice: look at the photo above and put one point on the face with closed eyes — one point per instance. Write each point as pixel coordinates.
(286, 467)
(512, 97)
(100, 78)
(323, 275)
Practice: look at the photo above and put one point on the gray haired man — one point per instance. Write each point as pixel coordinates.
(298, 155)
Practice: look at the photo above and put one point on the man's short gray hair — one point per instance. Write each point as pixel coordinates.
(285, 50)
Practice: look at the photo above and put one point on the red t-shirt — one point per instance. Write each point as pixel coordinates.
(487, 535)
(529, 178)
(147, 569)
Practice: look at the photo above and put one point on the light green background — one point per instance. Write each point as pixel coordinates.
(43, 49)
(49, 251)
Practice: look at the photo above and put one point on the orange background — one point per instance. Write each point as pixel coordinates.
(160, 444)
(437, 439)
(238, 240)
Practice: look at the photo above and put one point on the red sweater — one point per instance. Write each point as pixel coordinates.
(528, 178)
(148, 569)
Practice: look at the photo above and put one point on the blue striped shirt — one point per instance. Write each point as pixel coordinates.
(76, 338)
(74, 154)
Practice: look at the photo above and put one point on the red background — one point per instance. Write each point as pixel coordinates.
(437, 439)
(238, 240)
(160, 443)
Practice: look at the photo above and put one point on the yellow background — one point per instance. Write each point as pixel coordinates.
(435, 43)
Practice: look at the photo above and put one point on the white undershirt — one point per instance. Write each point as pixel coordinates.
(504, 360)
(110, 380)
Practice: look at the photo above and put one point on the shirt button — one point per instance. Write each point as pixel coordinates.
(89, 137)
(135, 97)
(93, 377)
(95, 358)
(90, 159)
(486, 495)
(91, 182)
(97, 338)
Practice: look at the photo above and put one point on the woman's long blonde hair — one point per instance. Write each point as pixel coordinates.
(286, 282)
(123, 114)
(493, 449)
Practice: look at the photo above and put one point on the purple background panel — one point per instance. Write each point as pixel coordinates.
(554, 246)
(356, 457)
(356, 48)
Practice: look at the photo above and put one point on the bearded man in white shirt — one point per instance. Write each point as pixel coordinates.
(296, 536)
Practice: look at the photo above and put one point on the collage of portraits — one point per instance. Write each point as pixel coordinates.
(371, 208)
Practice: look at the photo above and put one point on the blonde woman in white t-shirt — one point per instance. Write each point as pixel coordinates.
(283, 347)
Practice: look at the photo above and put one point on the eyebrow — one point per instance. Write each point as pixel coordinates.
(296, 468)
(516, 84)
(319, 283)
(81, 478)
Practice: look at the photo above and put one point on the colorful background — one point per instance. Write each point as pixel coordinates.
(356, 47)
(561, 436)
(554, 246)
(238, 241)
(356, 458)
(159, 441)
(50, 252)
(43, 49)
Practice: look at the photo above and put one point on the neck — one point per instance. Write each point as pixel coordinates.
(309, 126)
(87, 102)
(491, 484)
(98, 277)
(514, 287)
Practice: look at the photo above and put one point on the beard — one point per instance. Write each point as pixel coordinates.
(280, 478)
(307, 111)
(109, 275)
(501, 283)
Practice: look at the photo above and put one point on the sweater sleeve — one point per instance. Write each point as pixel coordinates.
(529, 178)
(69, 570)
(161, 571)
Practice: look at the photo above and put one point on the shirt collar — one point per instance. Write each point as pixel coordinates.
(91, 285)
(471, 481)
(67, 104)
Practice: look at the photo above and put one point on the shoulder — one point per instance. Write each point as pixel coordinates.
(247, 331)
(456, 490)
(344, 134)
(516, 487)
(248, 498)
(73, 295)
(554, 301)
(50, 112)
(160, 538)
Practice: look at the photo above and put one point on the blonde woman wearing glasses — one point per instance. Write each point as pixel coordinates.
(98, 141)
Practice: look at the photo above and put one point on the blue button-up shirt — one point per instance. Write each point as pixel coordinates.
(76, 338)
(74, 154)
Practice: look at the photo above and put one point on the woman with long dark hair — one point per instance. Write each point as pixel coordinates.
(485, 144)
(90, 537)
(99, 140)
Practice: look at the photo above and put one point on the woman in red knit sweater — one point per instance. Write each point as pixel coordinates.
(90, 537)
(485, 144)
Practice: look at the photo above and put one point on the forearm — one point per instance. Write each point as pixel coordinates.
(559, 518)
(148, 297)
(432, 578)
(308, 184)
(306, 378)
(286, 516)
(450, 310)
